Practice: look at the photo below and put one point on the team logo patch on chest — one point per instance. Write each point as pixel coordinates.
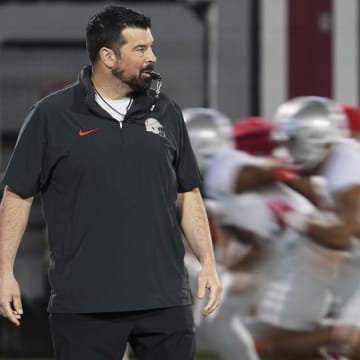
(153, 125)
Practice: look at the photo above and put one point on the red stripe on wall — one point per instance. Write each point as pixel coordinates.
(309, 48)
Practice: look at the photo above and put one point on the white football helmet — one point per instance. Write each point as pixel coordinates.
(307, 125)
(209, 131)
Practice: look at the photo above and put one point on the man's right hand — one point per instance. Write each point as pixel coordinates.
(10, 299)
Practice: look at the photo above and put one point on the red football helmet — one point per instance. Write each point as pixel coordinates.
(353, 116)
(253, 135)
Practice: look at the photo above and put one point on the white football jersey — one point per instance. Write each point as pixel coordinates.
(342, 168)
(247, 210)
(341, 171)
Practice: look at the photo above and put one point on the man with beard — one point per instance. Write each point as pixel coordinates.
(112, 162)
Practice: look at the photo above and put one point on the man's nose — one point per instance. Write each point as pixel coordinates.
(151, 56)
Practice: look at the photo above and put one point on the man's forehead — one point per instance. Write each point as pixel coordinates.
(137, 35)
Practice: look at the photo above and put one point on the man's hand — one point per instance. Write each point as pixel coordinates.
(208, 279)
(10, 299)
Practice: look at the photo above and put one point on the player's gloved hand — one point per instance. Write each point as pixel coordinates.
(333, 353)
(285, 170)
(285, 174)
(286, 216)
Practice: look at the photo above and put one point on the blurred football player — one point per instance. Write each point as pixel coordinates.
(243, 181)
(210, 133)
(249, 247)
(327, 267)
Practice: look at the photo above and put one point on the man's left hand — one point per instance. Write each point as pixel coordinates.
(208, 279)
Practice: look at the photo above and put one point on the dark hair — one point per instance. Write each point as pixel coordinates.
(104, 29)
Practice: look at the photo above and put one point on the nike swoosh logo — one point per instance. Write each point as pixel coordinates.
(87, 132)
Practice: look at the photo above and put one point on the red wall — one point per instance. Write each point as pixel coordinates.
(310, 48)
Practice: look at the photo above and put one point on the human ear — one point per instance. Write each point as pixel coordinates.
(107, 56)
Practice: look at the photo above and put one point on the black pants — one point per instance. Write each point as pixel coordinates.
(160, 334)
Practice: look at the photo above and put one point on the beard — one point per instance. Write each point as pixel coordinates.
(137, 84)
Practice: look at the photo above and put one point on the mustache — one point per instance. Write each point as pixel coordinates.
(149, 67)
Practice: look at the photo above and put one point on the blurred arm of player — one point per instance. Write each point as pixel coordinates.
(253, 177)
(14, 215)
(240, 249)
(194, 223)
(333, 230)
(338, 234)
